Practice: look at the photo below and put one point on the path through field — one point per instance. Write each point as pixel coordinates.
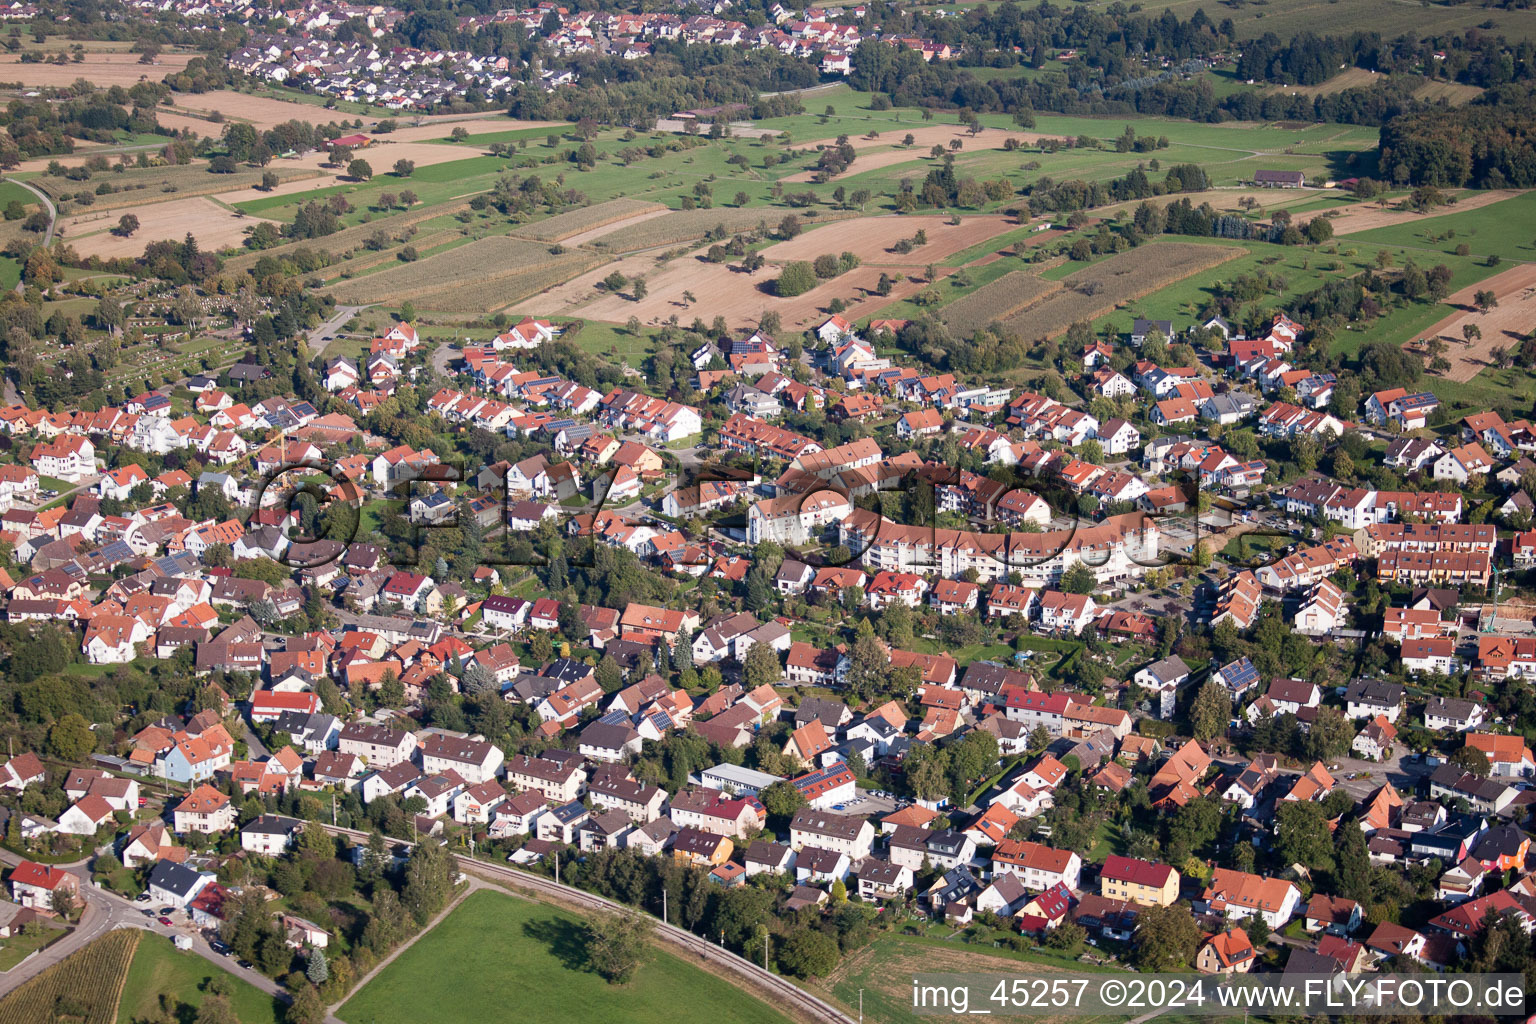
(1364, 218)
(1503, 326)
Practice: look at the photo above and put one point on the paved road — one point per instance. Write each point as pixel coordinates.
(328, 330)
(53, 212)
(106, 910)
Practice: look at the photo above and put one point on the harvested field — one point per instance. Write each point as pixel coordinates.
(564, 226)
(481, 263)
(1364, 218)
(100, 69)
(1504, 326)
(260, 111)
(740, 297)
(1453, 93)
(1093, 291)
(1350, 78)
(889, 150)
(161, 184)
(212, 225)
(681, 226)
(348, 239)
(1008, 296)
(83, 987)
(503, 290)
(872, 239)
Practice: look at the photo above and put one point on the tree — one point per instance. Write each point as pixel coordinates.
(1352, 868)
(318, 971)
(1470, 759)
(216, 1009)
(359, 169)
(1165, 938)
(1068, 937)
(1301, 835)
(1212, 709)
(615, 281)
(71, 738)
(797, 278)
(781, 800)
(618, 945)
(762, 666)
(404, 168)
(1330, 735)
(428, 881)
(637, 289)
(127, 224)
(1078, 579)
(809, 954)
(307, 1007)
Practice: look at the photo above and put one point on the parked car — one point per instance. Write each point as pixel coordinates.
(166, 921)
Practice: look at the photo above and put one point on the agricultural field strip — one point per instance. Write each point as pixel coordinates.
(95, 974)
(1140, 272)
(483, 261)
(684, 226)
(1009, 295)
(347, 238)
(565, 225)
(477, 297)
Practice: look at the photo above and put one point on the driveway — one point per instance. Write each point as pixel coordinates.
(323, 335)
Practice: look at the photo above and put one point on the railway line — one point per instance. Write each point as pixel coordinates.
(786, 994)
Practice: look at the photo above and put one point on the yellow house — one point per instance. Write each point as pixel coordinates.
(695, 846)
(1139, 881)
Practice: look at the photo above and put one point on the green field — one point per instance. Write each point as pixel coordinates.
(1390, 18)
(882, 972)
(159, 967)
(1506, 229)
(501, 959)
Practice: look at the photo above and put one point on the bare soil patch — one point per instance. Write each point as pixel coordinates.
(261, 111)
(1503, 326)
(872, 238)
(213, 226)
(723, 290)
(1364, 218)
(102, 69)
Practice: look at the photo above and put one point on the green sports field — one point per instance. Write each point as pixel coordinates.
(501, 959)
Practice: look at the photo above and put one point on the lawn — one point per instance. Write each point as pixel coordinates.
(495, 945)
(17, 948)
(1507, 229)
(159, 967)
(882, 972)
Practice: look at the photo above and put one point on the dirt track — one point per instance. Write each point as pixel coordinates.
(1503, 326)
(1364, 218)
